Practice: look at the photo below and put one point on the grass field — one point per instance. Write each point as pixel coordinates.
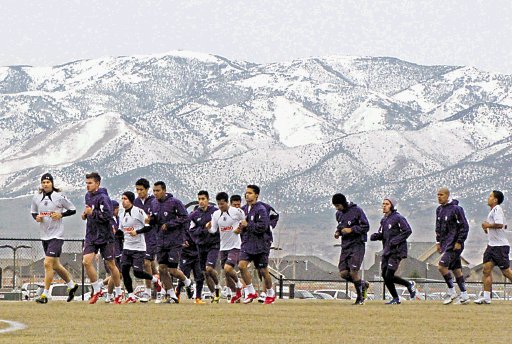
(290, 321)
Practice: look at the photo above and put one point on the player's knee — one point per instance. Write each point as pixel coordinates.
(48, 264)
(162, 268)
(228, 268)
(487, 271)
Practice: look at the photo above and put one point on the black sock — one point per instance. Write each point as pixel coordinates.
(359, 289)
(127, 279)
(461, 283)
(449, 280)
(389, 281)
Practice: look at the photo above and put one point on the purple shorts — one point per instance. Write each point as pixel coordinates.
(53, 247)
(134, 259)
(150, 252)
(351, 258)
(498, 255)
(390, 263)
(451, 260)
(260, 260)
(106, 250)
(169, 257)
(208, 256)
(229, 257)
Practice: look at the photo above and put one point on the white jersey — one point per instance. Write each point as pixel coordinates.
(46, 204)
(226, 223)
(134, 219)
(497, 236)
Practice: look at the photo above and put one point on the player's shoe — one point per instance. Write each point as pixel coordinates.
(42, 299)
(118, 300)
(159, 297)
(71, 293)
(190, 291)
(171, 299)
(412, 290)
(95, 296)
(482, 301)
(269, 300)
(249, 297)
(394, 302)
(359, 301)
(365, 287)
(216, 296)
(198, 301)
(178, 296)
(262, 297)
(158, 285)
(449, 298)
(237, 297)
(145, 298)
(463, 300)
(131, 299)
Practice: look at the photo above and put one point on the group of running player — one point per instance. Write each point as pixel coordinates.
(156, 237)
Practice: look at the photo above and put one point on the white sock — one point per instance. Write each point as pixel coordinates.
(96, 286)
(154, 279)
(270, 292)
(187, 282)
(109, 296)
(217, 286)
(71, 284)
(239, 284)
(464, 294)
(46, 292)
(487, 295)
(131, 295)
(118, 291)
(171, 293)
(250, 289)
(451, 291)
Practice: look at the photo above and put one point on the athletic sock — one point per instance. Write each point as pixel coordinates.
(96, 286)
(154, 279)
(187, 282)
(239, 284)
(250, 289)
(487, 295)
(270, 292)
(71, 284)
(118, 291)
(449, 280)
(171, 293)
(461, 283)
(46, 292)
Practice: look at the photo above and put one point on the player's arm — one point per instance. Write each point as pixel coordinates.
(260, 223)
(180, 218)
(104, 212)
(214, 225)
(405, 232)
(34, 211)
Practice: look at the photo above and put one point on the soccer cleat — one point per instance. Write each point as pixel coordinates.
(198, 301)
(412, 290)
(71, 293)
(178, 296)
(159, 297)
(482, 301)
(190, 291)
(158, 285)
(262, 297)
(237, 297)
(269, 300)
(145, 298)
(95, 296)
(463, 300)
(118, 300)
(359, 301)
(394, 301)
(449, 298)
(216, 296)
(171, 299)
(42, 299)
(131, 299)
(250, 297)
(108, 298)
(366, 285)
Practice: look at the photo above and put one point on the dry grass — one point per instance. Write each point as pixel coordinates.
(284, 322)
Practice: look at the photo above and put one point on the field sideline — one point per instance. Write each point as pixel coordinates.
(290, 321)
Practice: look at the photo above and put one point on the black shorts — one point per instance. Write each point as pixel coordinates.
(134, 259)
(499, 255)
(150, 252)
(351, 258)
(191, 265)
(53, 247)
(260, 260)
(229, 257)
(390, 263)
(451, 260)
(208, 257)
(106, 250)
(169, 257)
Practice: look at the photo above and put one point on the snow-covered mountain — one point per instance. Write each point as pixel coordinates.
(365, 126)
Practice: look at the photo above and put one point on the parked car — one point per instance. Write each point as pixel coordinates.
(304, 295)
(322, 296)
(29, 291)
(338, 294)
(59, 292)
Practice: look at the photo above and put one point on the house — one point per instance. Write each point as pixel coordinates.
(304, 267)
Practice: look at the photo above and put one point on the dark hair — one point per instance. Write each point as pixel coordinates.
(142, 182)
(160, 183)
(339, 199)
(498, 195)
(130, 195)
(235, 198)
(204, 193)
(254, 188)
(222, 196)
(93, 175)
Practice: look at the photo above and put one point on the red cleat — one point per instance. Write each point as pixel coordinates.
(118, 300)
(237, 297)
(250, 297)
(130, 300)
(94, 298)
(158, 285)
(269, 300)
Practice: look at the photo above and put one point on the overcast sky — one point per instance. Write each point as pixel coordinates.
(465, 32)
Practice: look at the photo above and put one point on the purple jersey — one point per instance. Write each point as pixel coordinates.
(394, 231)
(354, 218)
(171, 212)
(98, 228)
(451, 225)
(254, 238)
(198, 220)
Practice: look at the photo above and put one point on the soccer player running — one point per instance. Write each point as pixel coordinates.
(99, 236)
(207, 244)
(352, 227)
(118, 250)
(170, 216)
(189, 263)
(393, 232)
(143, 201)
(254, 244)
(226, 221)
(133, 223)
(48, 208)
(498, 248)
(451, 232)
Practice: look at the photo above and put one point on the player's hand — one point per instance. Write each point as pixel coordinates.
(457, 246)
(346, 230)
(147, 220)
(164, 227)
(186, 244)
(243, 223)
(485, 225)
(39, 218)
(337, 234)
(438, 247)
(56, 216)
(132, 233)
(88, 210)
(208, 225)
(237, 230)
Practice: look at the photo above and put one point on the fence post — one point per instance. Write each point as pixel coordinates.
(280, 286)
(292, 291)
(383, 290)
(346, 289)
